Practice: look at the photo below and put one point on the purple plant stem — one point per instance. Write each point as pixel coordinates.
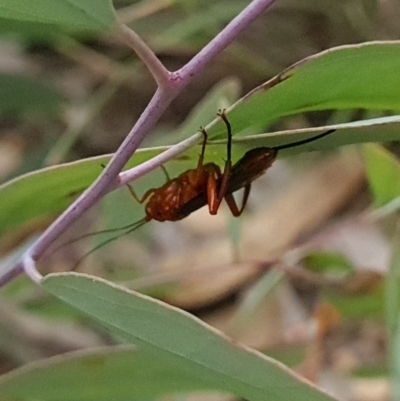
(168, 90)
(11, 274)
(132, 174)
(154, 65)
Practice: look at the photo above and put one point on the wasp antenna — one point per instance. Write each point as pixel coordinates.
(165, 172)
(132, 227)
(92, 234)
(304, 141)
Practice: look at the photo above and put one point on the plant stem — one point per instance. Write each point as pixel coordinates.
(154, 65)
(170, 85)
(132, 174)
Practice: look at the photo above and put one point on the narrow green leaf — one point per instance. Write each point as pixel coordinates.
(347, 77)
(114, 373)
(177, 348)
(61, 184)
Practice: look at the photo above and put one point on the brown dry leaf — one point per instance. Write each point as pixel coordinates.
(371, 389)
(212, 285)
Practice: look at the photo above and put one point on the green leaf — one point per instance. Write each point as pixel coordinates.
(31, 32)
(384, 129)
(114, 373)
(49, 191)
(347, 77)
(81, 14)
(176, 353)
(383, 172)
(20, 95)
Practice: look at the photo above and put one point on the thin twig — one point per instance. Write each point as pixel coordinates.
(154, 65)
(132, 174)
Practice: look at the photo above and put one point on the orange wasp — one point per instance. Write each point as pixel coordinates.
(205, 184)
